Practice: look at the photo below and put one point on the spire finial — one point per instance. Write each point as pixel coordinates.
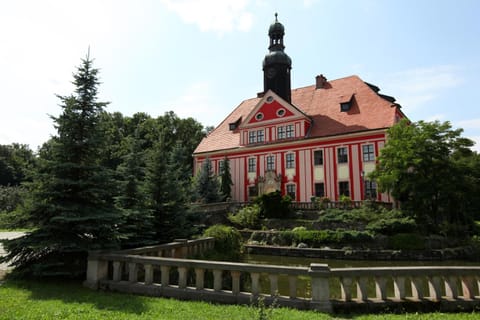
(276, 17)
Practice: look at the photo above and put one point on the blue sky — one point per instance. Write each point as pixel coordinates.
(202, 58)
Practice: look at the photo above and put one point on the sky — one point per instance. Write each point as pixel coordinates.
(201, 58)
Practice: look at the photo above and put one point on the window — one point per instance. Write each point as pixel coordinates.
(291, 191)
(259, 116)
(221, 165)
(252, 165)
(370, 189)
(318, 157)
(270, 163)
(281, 133)
(260, 136)
(319, 189)
(342, 155)
(290, 131)
(252, 192)
(343, 188)
(368, 153)
(345, 106)
(280, 112)
(252, 137)
(290, 163)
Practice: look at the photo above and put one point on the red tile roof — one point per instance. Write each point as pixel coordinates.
(368, 111)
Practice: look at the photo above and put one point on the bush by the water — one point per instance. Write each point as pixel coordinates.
(312, 238)
(247, 217)
(391, 222)
(228, 242)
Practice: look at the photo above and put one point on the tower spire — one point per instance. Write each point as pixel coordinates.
(277, 64)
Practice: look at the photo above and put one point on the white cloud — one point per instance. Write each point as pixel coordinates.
(416, 87)
(436, 117)
(43, 42)
(476, 139)
(197, 102)
(219, 16)
(470, 124)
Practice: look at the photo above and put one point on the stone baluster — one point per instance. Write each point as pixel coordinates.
(362, 292)
(468, 283)
(381, 287)
(148, 274)
(165, 270)
(173, 253)
(319, 274)
(255, 283)
(292, 286)
(217, 280)
(399, 287)
(97, 270)
(273, 284)
(417, 288)
(435, 288)
(182, 277)
(451, 289)
(117, 271)
(235, 282)
(132, 272)
(200, 278)
(346, 288)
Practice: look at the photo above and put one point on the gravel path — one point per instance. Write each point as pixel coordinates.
(7, 235)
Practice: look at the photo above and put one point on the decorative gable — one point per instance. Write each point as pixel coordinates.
(270, 109)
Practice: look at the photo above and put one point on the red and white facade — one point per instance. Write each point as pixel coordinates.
(322, 143)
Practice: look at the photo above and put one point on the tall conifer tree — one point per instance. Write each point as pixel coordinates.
(72, 199)
(226, 180)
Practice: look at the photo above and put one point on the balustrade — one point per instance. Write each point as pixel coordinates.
(240, 282)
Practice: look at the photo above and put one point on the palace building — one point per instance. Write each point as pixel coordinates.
(317, 141)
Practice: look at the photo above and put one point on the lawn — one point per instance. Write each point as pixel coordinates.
(69, 300)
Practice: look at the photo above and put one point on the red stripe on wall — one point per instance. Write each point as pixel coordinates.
(335, 174)
(350, 173)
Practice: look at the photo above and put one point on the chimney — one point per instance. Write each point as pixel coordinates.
(320, 81)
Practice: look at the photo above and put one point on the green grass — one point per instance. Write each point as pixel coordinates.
(69, 300)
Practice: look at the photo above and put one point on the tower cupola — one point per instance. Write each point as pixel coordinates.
(277, 64)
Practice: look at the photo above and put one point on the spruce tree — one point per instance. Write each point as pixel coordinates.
(137, 227)
(71, 204)
(206, 183)
(226, 180)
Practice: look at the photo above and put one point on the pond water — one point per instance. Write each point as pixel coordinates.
(301, 261)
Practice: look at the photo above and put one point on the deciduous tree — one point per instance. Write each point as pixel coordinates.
(420, 167)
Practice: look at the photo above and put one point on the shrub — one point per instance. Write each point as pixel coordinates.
(297, 229)
(317, 238)
(11, 201)
(392, 222)
(247, 217)
(228, 242)
(273, 205)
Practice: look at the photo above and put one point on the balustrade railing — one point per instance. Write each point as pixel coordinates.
(140, 271)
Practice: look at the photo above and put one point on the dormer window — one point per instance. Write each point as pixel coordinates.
(234, 125)
(345, 106)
